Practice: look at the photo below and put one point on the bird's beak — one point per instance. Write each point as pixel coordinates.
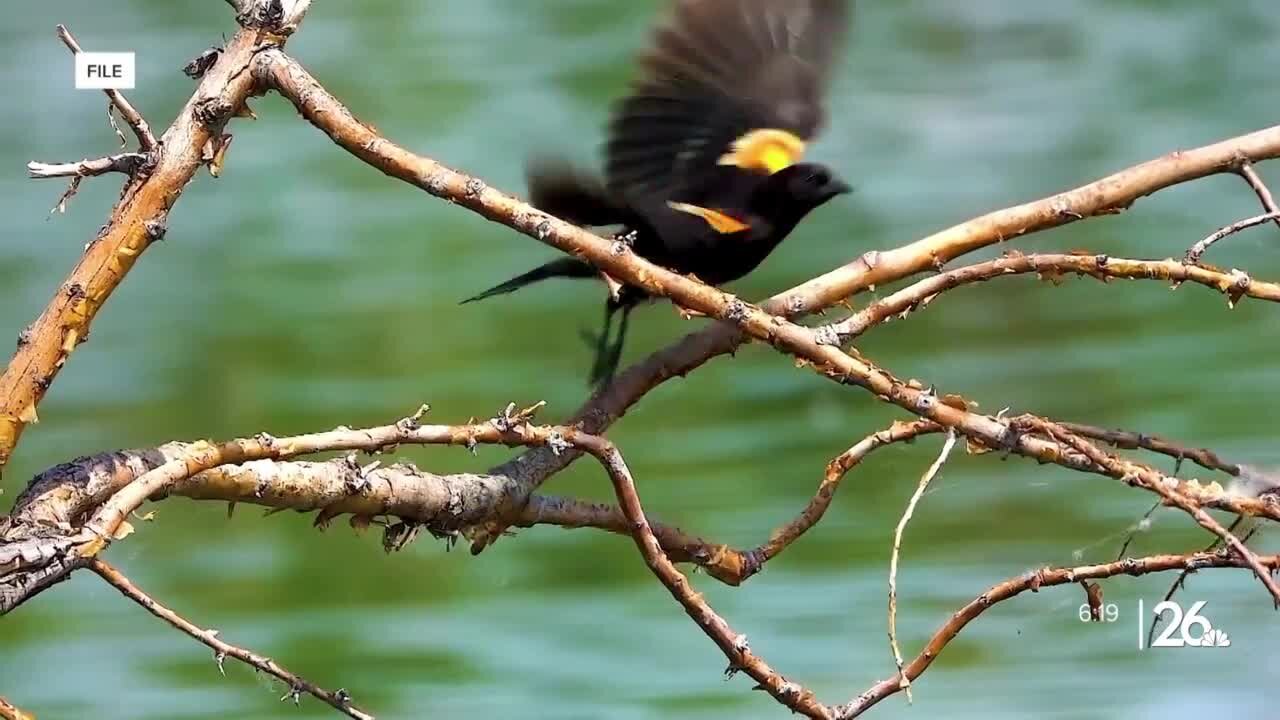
(839, 187)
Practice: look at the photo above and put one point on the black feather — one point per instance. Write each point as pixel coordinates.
(564, 267)
(717, 71)
(557, 188)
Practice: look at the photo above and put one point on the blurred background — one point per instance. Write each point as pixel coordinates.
(304, 290)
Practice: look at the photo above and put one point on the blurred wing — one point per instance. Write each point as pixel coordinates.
(726, 83)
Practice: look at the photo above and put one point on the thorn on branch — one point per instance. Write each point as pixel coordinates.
(414, 421)
(295, 694)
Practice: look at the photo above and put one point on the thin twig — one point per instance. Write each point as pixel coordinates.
(1123, 470)
(1126, 440)
(146, 141)
(297, 684)
(1101, 197)
(727, 564)
(1032, 581)
(508, 428)
(1250, 175)
(722, 562)
(125, 163)
(815, 347)
(897, 546)
(1235, 284)
(1193, 255)
(837, 469)
(1181, 581)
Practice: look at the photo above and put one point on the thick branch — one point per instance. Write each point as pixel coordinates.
(1103, 196)
(616, 259)
(9, 711)
(510, 428)
(297, 684)
(135, 223)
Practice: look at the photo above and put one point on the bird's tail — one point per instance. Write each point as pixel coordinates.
(559, 189)
(564, 267)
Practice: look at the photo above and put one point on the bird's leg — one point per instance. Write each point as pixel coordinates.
(615, 287)
(615, 353)
(622, 241)
(602, 343)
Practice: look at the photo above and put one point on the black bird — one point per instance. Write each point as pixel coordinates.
(702, 167)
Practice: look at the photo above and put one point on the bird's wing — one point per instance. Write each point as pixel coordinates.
(725, 83)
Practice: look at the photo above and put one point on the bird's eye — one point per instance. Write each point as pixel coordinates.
(817, 179)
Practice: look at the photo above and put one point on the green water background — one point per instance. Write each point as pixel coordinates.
(304, 290)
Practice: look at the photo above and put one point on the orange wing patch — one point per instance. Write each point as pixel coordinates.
(720, 222)
(766, 151)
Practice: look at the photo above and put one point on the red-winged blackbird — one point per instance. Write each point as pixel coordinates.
(702, 169)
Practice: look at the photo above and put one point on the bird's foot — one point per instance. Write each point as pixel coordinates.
(615, 287)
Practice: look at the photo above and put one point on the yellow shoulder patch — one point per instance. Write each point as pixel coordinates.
(766, 151)
(718, 221)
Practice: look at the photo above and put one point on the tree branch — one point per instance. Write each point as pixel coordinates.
(1203, 457)
(1260, 188)
(136, 222)
(1104, 196)
(925, 479)
(274, 69)
(9, 711)
(510, 428)
(146, 141)
(1167, 488)
(126, 163)
(1234, 285)
(1198, 250)
(297, 684)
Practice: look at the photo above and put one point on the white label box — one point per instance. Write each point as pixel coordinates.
(105, 70)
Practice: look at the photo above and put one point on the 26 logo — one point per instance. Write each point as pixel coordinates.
(1186, 628)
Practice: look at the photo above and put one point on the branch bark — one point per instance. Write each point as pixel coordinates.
(338, 699)
(1235, 284)
(9, 711)
(274, 69)
(135, 223)
(1104, 196)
